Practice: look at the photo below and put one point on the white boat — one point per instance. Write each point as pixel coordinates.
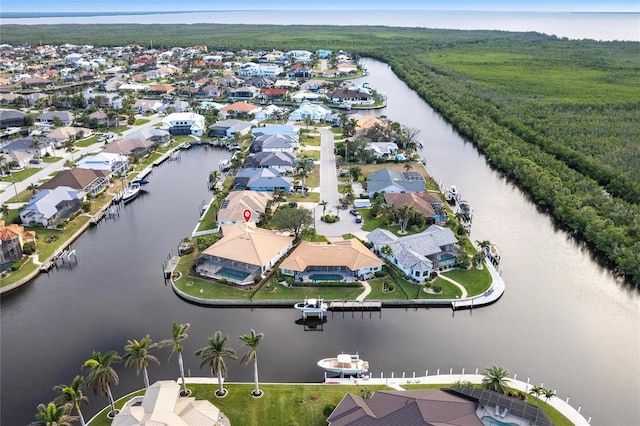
(493, 253)
(130, 192)
(452, 194)
(312, 307)
(345, 364)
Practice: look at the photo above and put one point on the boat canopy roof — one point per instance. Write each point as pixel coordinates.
(344, 358)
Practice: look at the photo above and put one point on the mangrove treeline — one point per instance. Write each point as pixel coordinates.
(561, 117)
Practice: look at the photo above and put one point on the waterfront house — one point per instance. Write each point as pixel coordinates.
(427, 203)
(151, 134)
(131, 147)
(343, 260)
(115, 164)
(243, 253)
(49, 207)
(184, 123)
(267, 179)
(162, 404)
(232, 208)
(417, 255)
(228, 128)
(387, 180)
(383, 150)
(12, 118)
(88, 180)
(308, 111)
(48, 118)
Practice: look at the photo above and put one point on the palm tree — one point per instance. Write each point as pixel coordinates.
(214, 355)
(33, 188)
(137, 352)
(69, 146)
(324, 204)
(4, 209)
(252, 341)
(548, 394)
(536, 391)
(495, 379)
(403, 215)
(101, 374)
(408, 167)
(179, 333)
(72, 394)
(52, 415)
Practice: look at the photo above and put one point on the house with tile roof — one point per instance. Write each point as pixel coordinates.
(151, 134)
(387, 180)
(50, 207)
(427, 203)
(243, 253)
(130, 147)
(349, 258)
(417, 255)
(12, 240)
(233, 206)
(90, 181)
(162, 404)
(239, 108)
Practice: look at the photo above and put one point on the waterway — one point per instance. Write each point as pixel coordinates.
(564, 320)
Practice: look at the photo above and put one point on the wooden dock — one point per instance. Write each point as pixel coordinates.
(354, 305)
(171, 266)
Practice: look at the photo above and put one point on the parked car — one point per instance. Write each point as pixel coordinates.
(353, 212)
(358, 218)
(344, 173)
(293, 204)
(34, 161)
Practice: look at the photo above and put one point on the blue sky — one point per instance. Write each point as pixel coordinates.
(172, 5)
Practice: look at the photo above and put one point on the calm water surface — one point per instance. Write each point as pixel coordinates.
(563, 320)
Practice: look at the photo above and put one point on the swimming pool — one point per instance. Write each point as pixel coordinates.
(490, 421)
(234, 274)
(326, 277)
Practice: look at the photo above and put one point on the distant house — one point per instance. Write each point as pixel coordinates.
(323, 53)
(151, 134)
(387, 180)
(209, 91)
(278, 129)
(49, 207)
(115, 164)
(244, 92)
(272, 94)
(349, 258)
(102, 119)
(62, 134)
(383, 150)
(427, 203)
(228, 128)
(49, 118)
(308, 111)
(12, 118)
(417, 255)
(36, 146)
(147, 105)
(280, 161)
(243, 253)
(239, 109)
(262, 180)
(18, 157)
(232, 208)
(184, 123)
(131, 147)
(90, 181)
(274, 143)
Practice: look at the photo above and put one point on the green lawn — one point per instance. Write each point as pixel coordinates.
(296, 293)
(50, 159)
(474, 280)
(141, 121)
(20, 175)
(312, 153)
(206, 289)
(311, 140)
(27, 267)
(290, 404)
(87, 142)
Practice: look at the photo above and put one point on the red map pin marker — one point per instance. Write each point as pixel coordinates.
(247, 215)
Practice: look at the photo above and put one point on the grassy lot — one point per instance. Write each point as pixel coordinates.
(50, 159)
(312, 153)
(311, 140)
(47, 249)
(208, 221)
(290, 404)
(281, 292)
(87, 142)
(27, 267)
(399, 167)
(474, 280)
(20, 175)
(141, 121)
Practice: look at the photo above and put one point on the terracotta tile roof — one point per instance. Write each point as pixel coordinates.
(421, 201)
(239, 107)
(349, 253)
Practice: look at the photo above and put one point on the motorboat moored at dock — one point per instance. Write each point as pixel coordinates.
(315, 307)
(345, 364)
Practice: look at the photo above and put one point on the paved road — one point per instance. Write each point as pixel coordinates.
(329, 193)
(48, 169)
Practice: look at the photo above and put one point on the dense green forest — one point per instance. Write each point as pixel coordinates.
(561, 117)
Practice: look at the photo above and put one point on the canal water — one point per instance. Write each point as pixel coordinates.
(563, 321)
